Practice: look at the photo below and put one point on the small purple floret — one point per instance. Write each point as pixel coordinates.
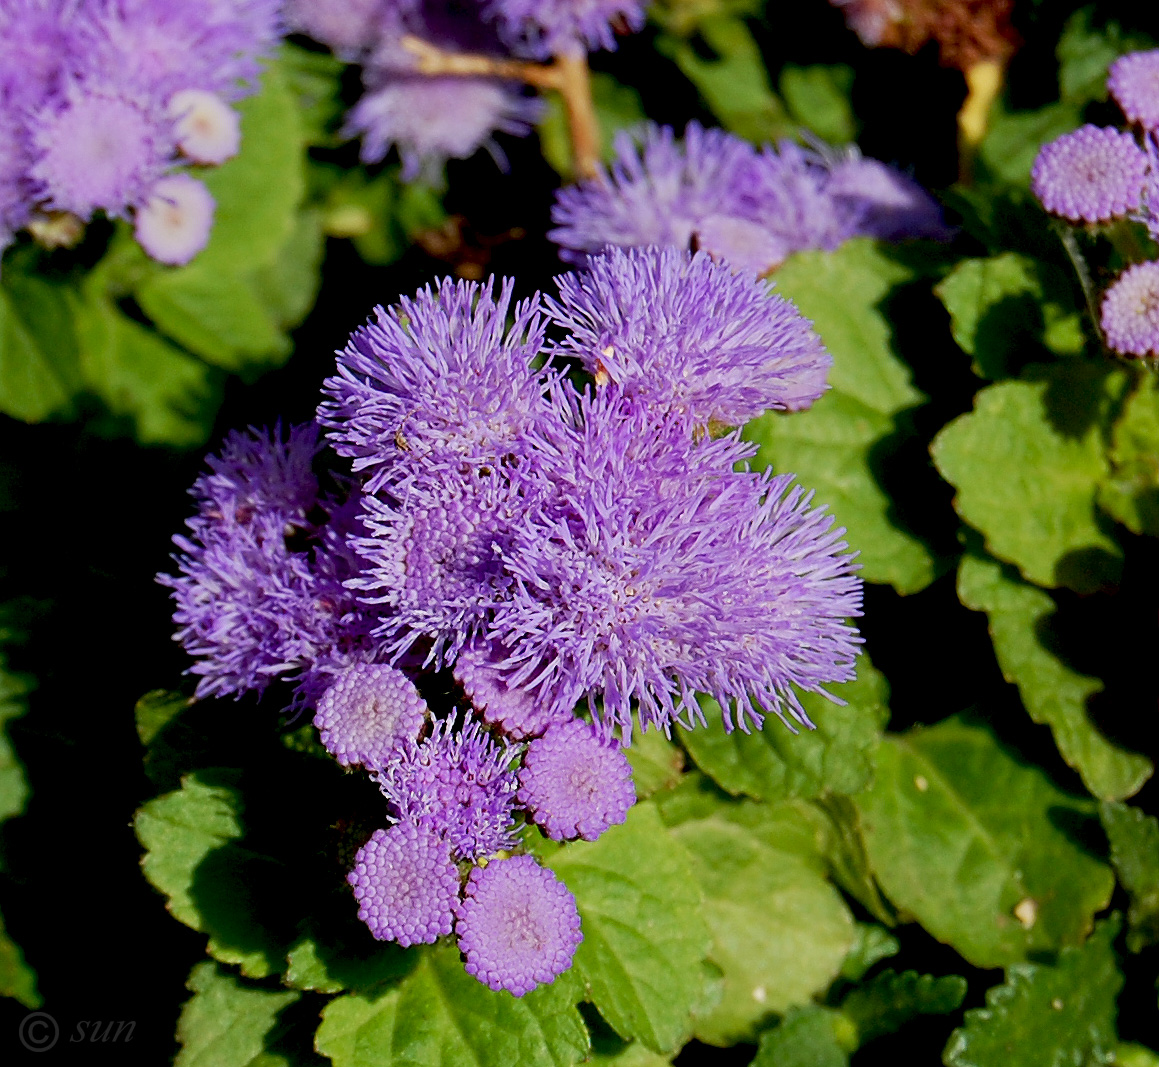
(518, 713)
(575, 784)
(517, 925)
(1094, 174)
(406, 885)
(368, 713)
(1130, 313)
(1134, 83)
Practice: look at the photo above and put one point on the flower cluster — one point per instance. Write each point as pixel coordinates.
(1107, 177)
(749, 206)
(578, 563)
(431, 116)
(100, 102)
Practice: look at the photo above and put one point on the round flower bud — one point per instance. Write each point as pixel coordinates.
(517, 925)
(1134, 83)
(175, 222)
(1092, 175)
(206, 128)
(405, 884)
(573, 784)
(1130, 314)
(367, 713)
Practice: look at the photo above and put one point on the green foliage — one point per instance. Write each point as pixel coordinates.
(656, 762)
(1130, 491)
(818, 98)
(1053, 694)
(1047, 1015)
(1039, 511)
(1005, 308)
(617, 107)
(228, 1022)
(1086, 51)
(213, 883)
(979, 848)
(839, 444)
(780, 931)
(439, 1014)
(873, 943)
(807, 1037)
(774, 764)
(885, 1004)
(1134, 837)
(644, 937)
(1013, 139)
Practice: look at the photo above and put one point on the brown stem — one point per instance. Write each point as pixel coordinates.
(568, 75)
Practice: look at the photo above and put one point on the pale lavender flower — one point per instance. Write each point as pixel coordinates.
(367, 713)
(1130, 312)
(882, 200)
(668, 572)
(38, 40)
(674, 331)
(871, 19)
(440, 372)
(518, 713)
(1092, 175)
(98, 148)
(541, 29)
(205, 127)
(349, 27)
(14, 198)
(1134, 83)
(460, 782)
(517, 925)
(406, 885)
(174, 222)
(574, 783)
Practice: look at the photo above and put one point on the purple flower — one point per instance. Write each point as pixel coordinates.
(675, 331)
(38, 39)
(517, 925)
(1134, 83)
(174, 222)
(575, 784)
(541, 29)
(1130, 313)
(885, 202)
(349, 27)
(367, 713)
(668, 572)
(206, 128)
(1094, 174)
(98, 149)
(14, 198)
(406, 885)
(433, 119)
(460, 782)
(440, 372)
(517, 712)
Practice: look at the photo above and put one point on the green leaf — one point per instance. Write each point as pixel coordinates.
(39, 363)
(227, 1022)
(644, 934)
(773, 764)
(611, 1050)
(1130, 492)
(836, 445)
(315, 80)
(1039, 511)
(1004, 307)
(1134, 837)
(1085, 52)
(618, 107)
(165, 396)
(885, 1004)
(780, 931)
(873, 943)
(735, 83)
(213, 884)
(156, 710)
(439, 1016)
(839, 822)
(1047, 1016)
(1128, 1054)
(1014, 137)
(331, 960)
(807, 1037)
(818, 98)
(979, 848)
(1052, 693)
(656, 762)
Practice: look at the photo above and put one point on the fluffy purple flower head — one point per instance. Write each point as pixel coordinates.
(674, 331)
(885, 202)
(38, 38)
(574, 783)
(406, 885)
(517, 712)
(368, 712)
(349, 27)
(1130, 313)
(98, 149)
(1093, 175)
(1134, 83)
(657, 192)
(14, 198)
(541, 29)
(173, 224)
(433, 119)
(667, 572)
(441, 372)
(460, 782)
(517, 925)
